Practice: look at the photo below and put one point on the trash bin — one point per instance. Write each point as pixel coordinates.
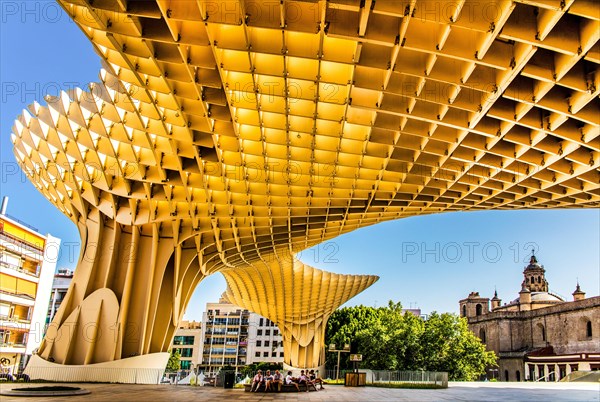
(355, 379)
(229, 379)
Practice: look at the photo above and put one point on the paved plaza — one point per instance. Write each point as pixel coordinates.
(455, 392)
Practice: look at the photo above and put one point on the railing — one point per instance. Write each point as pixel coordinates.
(97, 374)
(550, 376)
(14, 293)
(415, 377)
(21, 222)
(14, 319)
(383, 377)
(13, 344)
(25, 245)
(19, 269)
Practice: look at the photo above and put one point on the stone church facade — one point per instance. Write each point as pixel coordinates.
(539, 336)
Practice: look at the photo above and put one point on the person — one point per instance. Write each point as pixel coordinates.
(316, 379)
(258, 380)
(268, 380)
(289, 380)
(275, 381)
(303, 379)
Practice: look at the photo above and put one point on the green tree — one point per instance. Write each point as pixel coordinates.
(343, 326)
(391, 340)
(173, 364)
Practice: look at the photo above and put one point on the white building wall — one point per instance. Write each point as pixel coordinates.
(42, 298)
(60, 287)
(265, 340)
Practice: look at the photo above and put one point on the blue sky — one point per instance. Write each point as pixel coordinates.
(430, 261)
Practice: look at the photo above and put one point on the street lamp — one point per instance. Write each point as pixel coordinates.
(346, 349)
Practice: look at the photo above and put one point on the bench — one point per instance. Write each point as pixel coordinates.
(7, 377)
(23, 377)
(284, 388)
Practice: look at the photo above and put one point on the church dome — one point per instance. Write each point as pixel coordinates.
(545, 297)
(533, 264)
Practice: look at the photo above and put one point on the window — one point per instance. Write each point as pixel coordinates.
(275, 332)
(258, 343)
(482, 335)
(542, 332)
(4, 310)
(268, 332)
(506, 375)
(257, 354)
(588, 329)
(478, 309)
(280, 354)
(183, 340)
(185, 352)
(267, 343)
(464, 310)
(185, 364)
(261, 322)
(259, 332)
(532, 372)
(265, 354)
(518, 375)
(272, 324)
(4, 336)
(273, 354)
(562, 370)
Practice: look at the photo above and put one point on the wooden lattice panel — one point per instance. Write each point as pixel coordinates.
(256, 124)
(239, 128)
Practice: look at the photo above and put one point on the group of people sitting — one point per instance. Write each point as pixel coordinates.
(275, 381)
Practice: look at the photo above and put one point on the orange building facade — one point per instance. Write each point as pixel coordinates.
(27, 264)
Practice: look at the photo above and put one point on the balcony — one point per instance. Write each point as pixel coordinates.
(20, 270)
(13, 347)
(14, 323)
(36, 251)
(19, 298)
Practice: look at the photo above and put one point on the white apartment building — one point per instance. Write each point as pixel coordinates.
(60, 286)
(264, 341)
(235, 337)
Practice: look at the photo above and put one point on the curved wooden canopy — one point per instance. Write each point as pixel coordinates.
(233, 129)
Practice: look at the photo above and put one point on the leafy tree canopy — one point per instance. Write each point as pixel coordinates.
(392, 340)
(173, 364)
